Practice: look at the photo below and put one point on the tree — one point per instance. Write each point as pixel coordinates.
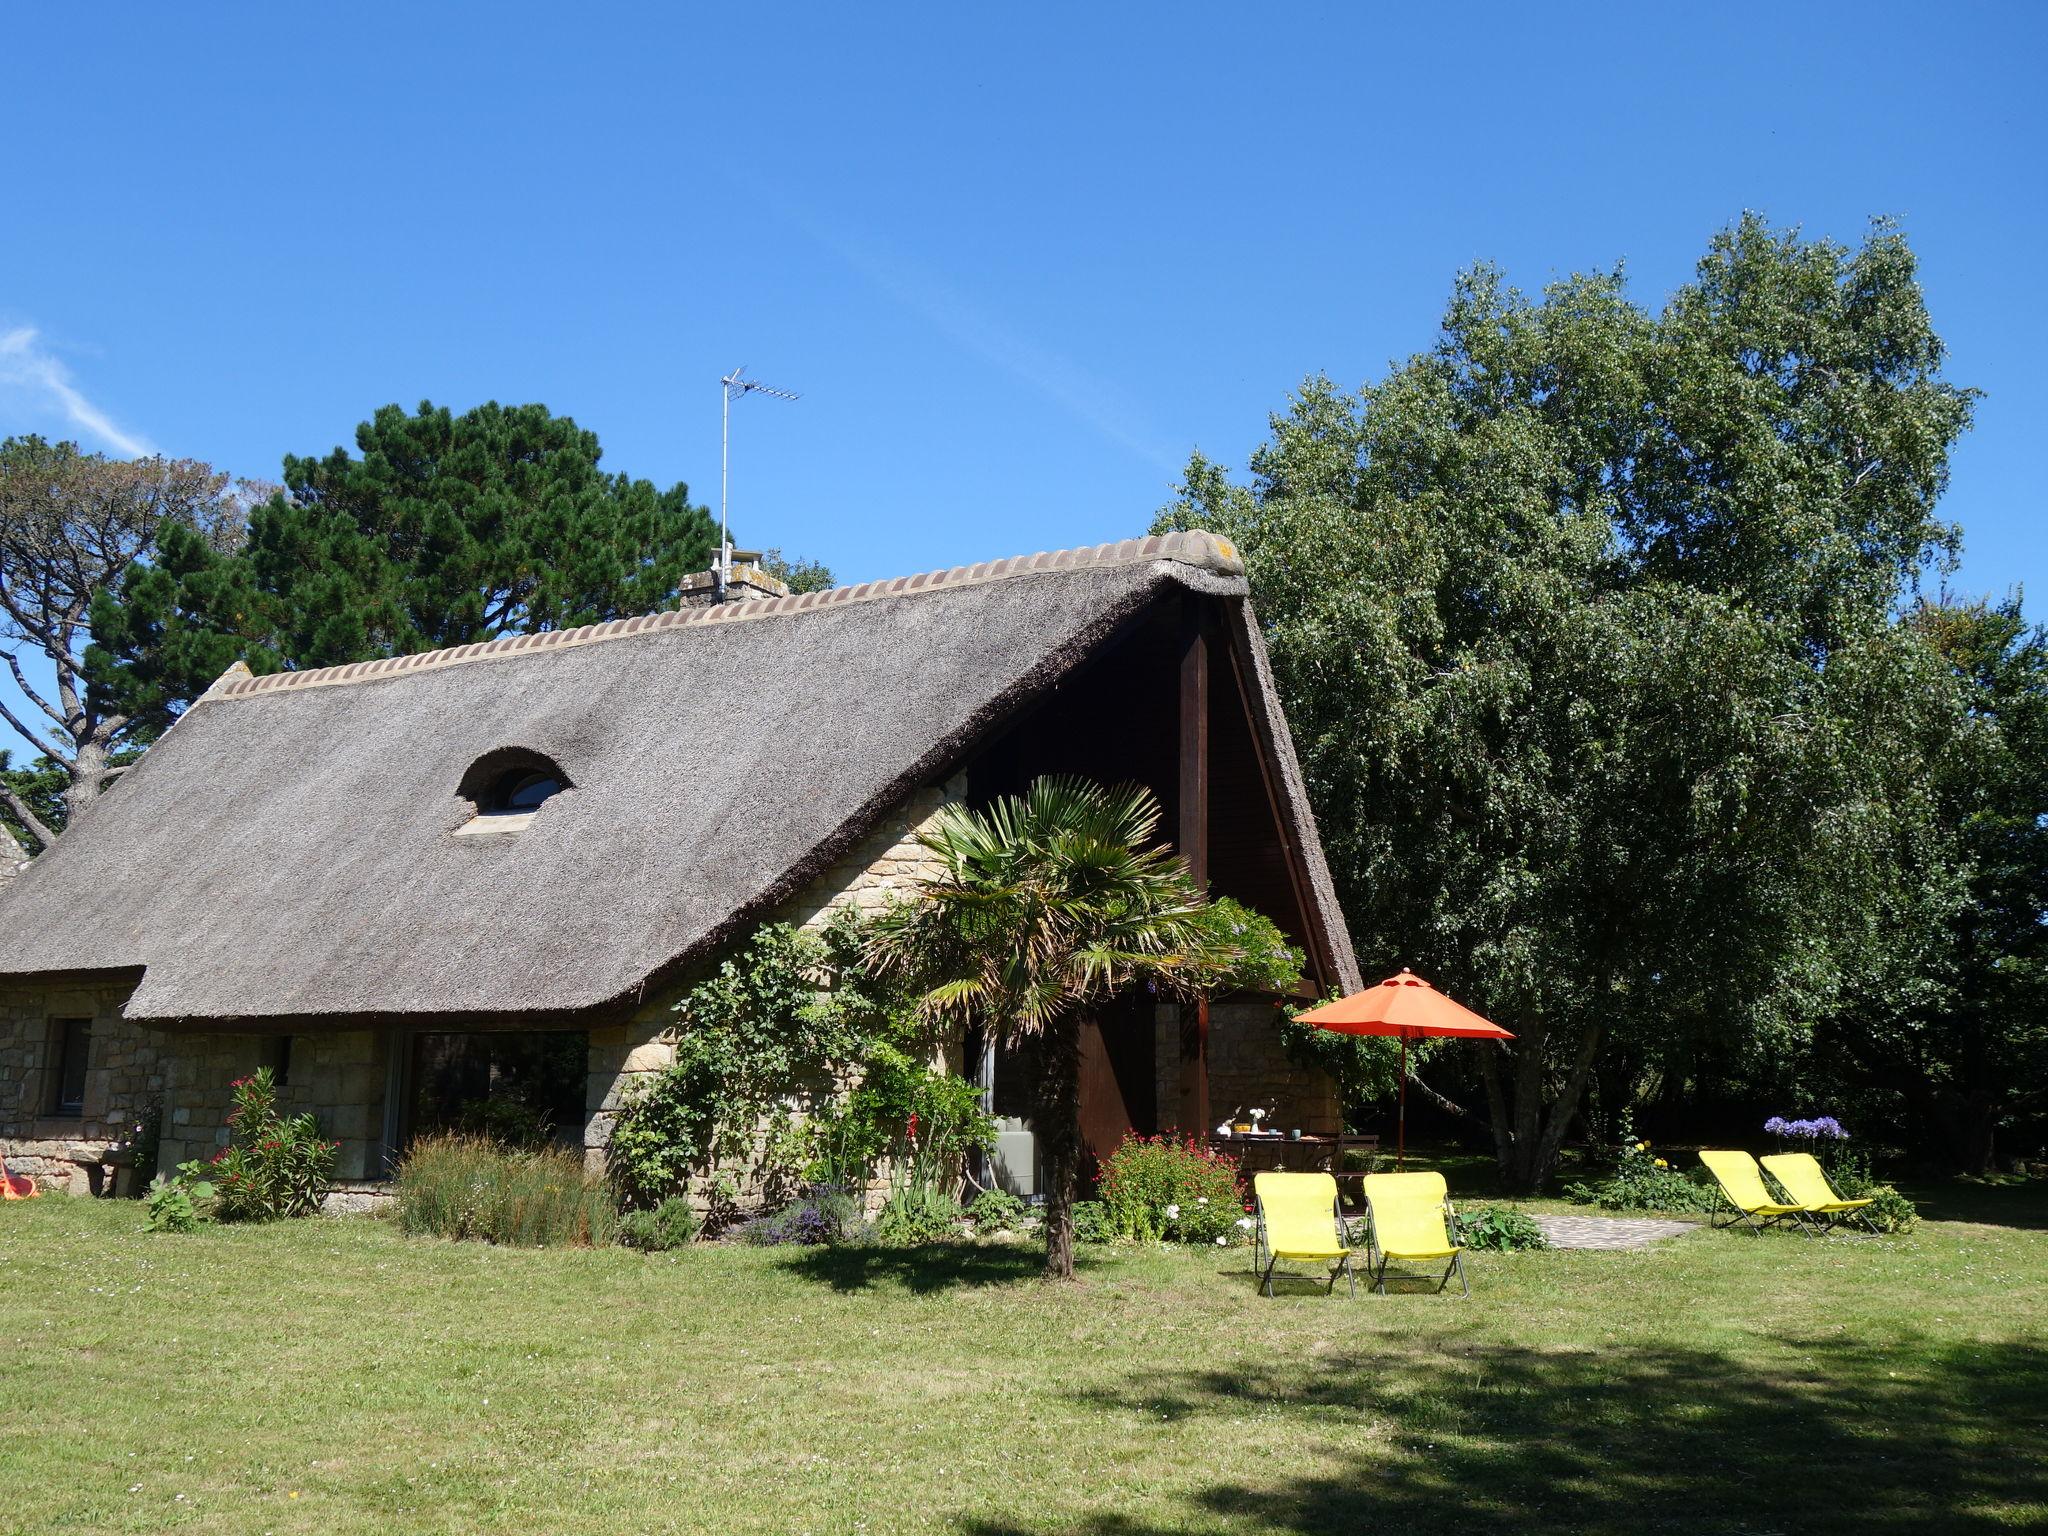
(71, 523)
(1048, 903)
(1583, 620)
(40, 789)
(1963, 1048)
(441, 530)
(796, 573)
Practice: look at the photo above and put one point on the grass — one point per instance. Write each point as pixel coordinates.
(337, 1377)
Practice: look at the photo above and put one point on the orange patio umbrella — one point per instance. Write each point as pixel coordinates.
(1409, 1007)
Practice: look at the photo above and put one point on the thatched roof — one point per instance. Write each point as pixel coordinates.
(286, 851)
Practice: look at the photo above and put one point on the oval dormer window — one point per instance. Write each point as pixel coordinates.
(520, 792)
(506, 788)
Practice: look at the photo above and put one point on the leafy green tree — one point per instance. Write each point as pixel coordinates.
(39, 790)
(797, 573)
(1046, 903)
(1584, 623)
(70, 524)
(439, 530)
(1961, 1048)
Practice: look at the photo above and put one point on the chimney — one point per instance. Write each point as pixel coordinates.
(749, 582)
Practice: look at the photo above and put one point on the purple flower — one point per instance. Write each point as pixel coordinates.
(1825, 1128)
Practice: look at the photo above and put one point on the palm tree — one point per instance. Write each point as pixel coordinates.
(1046, 903)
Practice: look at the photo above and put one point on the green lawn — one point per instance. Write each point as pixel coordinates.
(332, 1377)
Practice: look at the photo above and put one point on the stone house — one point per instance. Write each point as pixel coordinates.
(411, 884)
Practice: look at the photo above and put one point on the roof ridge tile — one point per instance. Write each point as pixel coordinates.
(1188, 547)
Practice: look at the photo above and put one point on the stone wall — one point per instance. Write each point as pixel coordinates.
(124, 1075)
(1249, 1068)
(888, 862)
(337, 1074)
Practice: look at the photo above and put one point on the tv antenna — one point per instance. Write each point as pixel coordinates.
(735, 384)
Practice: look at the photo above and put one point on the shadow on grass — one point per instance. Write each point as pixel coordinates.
(933, 1267)
(1796, 1435)
(1305, 1283)
(2019, 1203)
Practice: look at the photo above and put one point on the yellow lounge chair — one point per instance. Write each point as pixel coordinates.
(1803, 1179)
(1299, 1220)
(1409, 1217)
(1740, 1183)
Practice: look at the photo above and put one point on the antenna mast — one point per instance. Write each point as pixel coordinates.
(734, 383)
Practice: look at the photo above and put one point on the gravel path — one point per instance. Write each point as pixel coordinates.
(1610, 1233)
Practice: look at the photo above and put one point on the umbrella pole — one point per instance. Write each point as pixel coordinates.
(1401, 1119)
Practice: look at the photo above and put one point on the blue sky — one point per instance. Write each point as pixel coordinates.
(1018, 262)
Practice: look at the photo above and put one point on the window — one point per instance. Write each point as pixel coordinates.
(506, 788)
(524, 1089)
(279, 1060)
(520, 791)
(70, 1046)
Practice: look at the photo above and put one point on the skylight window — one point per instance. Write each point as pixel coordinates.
(507, 788)
(519, 790)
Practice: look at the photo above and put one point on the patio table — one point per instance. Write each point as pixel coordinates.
(1306, 1154)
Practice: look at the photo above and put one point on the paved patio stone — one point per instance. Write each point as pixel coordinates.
(1611, 1233)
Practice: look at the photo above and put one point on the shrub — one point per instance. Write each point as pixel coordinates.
(467, 1187)
(276, 1165)
(753, 1037)
(179, 1203)
(1154, 1187)
(670, 1224)
(820, 1217)
(143, 1139)
(994, 1209)
(898, 1091)
(1500, 1229)
(916, 1213)
(1643, 1181)
(1889, 1211)
(1091, 1222)
(788, 1016)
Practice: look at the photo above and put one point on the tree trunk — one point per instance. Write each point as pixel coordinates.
(1059, 1139)
(1527, 1133)
(1969, 1122)
(88, 772)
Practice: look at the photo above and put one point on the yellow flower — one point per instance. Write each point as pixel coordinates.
(1642, 1146)
(1662, 1164)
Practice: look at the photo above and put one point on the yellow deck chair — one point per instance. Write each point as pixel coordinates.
(1300, 1220)
(1803, 1179)
(1740, 1183)
(1409, 1217)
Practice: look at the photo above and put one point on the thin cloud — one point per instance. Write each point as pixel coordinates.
(28, 366)
(1083, 394)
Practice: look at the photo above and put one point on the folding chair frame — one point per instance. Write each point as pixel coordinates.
(1455, 1267)
(1828, 1220)
(1737, 1215)
(1264, 1259)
